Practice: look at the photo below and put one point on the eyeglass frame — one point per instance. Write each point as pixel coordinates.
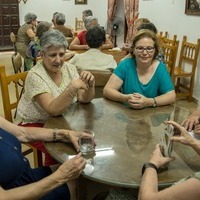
(149, 51)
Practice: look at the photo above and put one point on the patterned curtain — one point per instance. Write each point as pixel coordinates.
(131, 12)
(112, 5)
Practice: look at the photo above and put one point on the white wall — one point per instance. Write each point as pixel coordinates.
(167, 15)
(44, 9)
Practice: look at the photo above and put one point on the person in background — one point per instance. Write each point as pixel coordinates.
(141, 81)
(33, 49)
(18, 181)
(53, 18)
(187, 188)
(86, 13)
(25, 34)
(192, 123)
(79, 41)
(51, 86)
(94, 59)
(149, 26)
(59, 21)
(137, 23)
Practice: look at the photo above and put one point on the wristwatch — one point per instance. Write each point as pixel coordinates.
(149, 165)
(155, 103)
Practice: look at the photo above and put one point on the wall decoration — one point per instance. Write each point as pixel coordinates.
(80, 1)
(192, 7)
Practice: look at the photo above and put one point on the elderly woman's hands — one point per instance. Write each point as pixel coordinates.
(192, 122)
(183, 137)
(87, 78)
(70, 169)
(74, 136)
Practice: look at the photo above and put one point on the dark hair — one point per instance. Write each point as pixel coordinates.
(142, 34)
(150, 26)
(95, 36)
(42, 27)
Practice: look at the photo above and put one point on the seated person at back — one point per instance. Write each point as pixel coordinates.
(86, 13)
(94, 59)
(33, 49)
(141, 81)
(79, 42)
(59, 21)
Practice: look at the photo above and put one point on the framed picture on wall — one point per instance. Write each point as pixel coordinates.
(192, 7)
(80, 1)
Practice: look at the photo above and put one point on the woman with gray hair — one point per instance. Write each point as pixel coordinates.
(59, 21)
(26, 33)
(79, 41)
(52, 86)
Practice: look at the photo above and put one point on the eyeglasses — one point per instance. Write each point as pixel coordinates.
(141, 49)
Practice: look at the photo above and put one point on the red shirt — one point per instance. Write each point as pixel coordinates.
(81, 37)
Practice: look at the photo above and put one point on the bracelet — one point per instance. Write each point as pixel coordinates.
(149, 165)
(155, 103)
(54, 134)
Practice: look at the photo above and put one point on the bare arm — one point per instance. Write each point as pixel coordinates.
(30, 33)
(108, 44)
(75, 44)
(31, 134)
(135, 100)
(149, 185)
(69, 170)
(111, 89)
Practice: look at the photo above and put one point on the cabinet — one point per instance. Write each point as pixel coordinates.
(9, 22)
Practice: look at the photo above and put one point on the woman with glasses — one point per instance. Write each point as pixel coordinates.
(142, 80)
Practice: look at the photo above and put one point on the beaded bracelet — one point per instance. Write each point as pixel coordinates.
(54, 134)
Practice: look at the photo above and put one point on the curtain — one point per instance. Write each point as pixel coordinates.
(112, 5)
(131, 13)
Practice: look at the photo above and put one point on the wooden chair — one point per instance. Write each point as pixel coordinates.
(170, 54)
(184, 74)
(13, 39)
(101, 78)
(79, 24)
(17, 62)
(15, 83)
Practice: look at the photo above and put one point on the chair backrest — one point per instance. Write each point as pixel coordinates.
(15, 84)
(170, 54)
(101, 78)
(17, 62)
(13, 39)
(189, 54)
(169, 41)
(79, 25)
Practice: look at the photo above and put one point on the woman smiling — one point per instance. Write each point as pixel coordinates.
(142, 80)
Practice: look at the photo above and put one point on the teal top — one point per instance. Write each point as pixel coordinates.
(159, 84)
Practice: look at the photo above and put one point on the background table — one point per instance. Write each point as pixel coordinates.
(132, 134)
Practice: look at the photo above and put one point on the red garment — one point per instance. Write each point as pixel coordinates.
(81, 37)
(40, 145)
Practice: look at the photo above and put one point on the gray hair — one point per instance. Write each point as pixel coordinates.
(88, 21)
(87, 13)
(53, 38)
(42, 27)
(60, 19)
(29, 17)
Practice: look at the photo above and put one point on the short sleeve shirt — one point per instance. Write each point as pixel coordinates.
(159, 84)
(37, 82)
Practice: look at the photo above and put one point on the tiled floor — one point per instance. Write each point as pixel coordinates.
(93, 188)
